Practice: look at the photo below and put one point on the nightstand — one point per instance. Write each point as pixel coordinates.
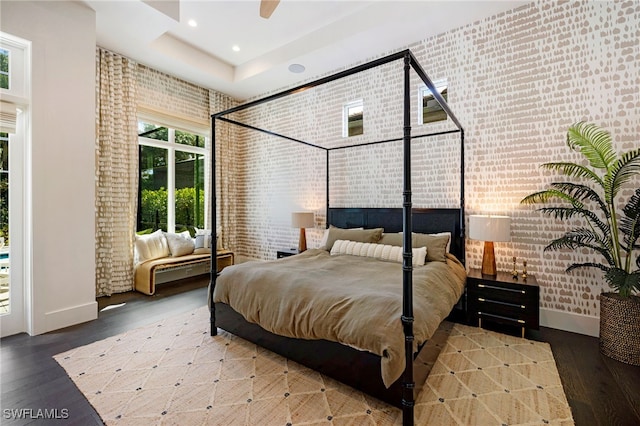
(286, 252)
(503, 299)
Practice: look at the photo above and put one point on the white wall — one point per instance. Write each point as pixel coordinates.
(62, 291)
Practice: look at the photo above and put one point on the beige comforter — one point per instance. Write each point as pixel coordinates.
(354, 300)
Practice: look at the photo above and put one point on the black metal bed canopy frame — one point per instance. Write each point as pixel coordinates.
(407, 319)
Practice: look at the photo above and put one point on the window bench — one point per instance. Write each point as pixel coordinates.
(158, 271)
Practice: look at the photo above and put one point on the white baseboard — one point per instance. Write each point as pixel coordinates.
(575, 323)
(67, 317)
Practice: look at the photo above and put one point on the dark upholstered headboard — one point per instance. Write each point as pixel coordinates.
(427, 221)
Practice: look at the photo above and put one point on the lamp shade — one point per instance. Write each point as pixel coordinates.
(302, 220)
(490, 228)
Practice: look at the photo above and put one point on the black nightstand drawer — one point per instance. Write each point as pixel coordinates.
(520, 296)
(514, 310)
(502, 299)
(503, 319)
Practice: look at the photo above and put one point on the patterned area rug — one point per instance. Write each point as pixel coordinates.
(174, 373)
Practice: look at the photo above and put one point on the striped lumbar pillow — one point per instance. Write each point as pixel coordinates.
(377, 251)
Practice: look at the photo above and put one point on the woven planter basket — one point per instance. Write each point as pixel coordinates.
(620, 328)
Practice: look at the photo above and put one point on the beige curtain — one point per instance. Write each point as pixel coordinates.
(116, 172)
(226, 170)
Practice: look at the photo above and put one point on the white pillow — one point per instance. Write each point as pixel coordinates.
(180, 244)
(151, 246)
(378, 251)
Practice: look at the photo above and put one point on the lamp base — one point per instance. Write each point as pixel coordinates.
(302, 242)
(489, 260)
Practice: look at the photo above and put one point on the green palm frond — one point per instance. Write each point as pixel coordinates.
(563, 213)
(622, 172)
(588, 265)
(594, 143)
(584, 238)
(630, 223)
(574, 170)
(582, 193)
(543, 197)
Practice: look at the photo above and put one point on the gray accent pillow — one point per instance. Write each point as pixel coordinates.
(357, 235)
(436, 244)
(392, 239)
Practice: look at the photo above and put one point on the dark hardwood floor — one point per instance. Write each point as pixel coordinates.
(600, 391)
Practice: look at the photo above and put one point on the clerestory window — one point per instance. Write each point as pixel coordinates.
(4, 69)
(352, 119)
(429, 110)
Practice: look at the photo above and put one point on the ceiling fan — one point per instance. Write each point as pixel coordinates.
(267, 7)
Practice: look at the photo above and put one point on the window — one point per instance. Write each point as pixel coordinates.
(173, 172)
(14, 67)
(4, 69)
(352, 119)
(429, 109)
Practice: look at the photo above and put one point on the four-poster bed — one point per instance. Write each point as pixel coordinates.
(335, 359)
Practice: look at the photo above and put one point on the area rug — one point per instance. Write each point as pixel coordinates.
(173, 373)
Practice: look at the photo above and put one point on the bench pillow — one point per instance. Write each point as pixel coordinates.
(180, 244)
(151, 246)
(204, 238)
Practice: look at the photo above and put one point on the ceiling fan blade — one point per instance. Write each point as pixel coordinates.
(267, 7)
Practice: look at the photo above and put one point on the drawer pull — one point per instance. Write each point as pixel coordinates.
(493, 287)
(513, 305)
(519, 321)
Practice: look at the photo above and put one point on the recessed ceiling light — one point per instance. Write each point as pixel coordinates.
(192, 23)
(235, 48)
(296, 68)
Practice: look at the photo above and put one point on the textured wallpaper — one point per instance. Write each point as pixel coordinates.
(516, 81)
(162, 93)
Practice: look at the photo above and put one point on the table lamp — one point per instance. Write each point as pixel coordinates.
(302, 220)
(489, 229)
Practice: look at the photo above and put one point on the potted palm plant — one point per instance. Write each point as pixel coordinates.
(609, 227)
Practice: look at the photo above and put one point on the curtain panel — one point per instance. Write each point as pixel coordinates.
(116, 172)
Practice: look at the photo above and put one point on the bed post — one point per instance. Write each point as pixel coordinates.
(407, 258)
(462, 201)
(213, 273)
(326, 214)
